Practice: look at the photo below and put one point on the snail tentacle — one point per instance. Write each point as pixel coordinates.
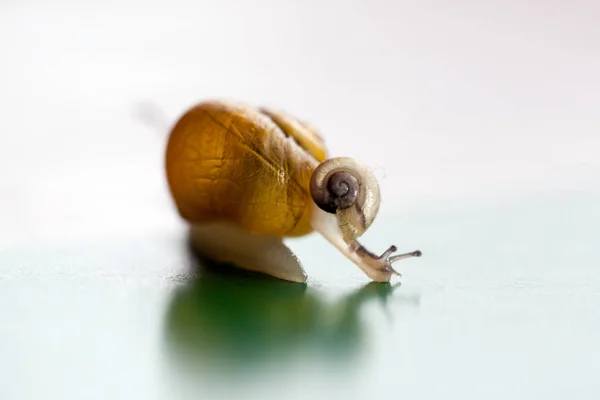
(378, 268)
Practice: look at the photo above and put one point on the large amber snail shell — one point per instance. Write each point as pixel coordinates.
(246, 177)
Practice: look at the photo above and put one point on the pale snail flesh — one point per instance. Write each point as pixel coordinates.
(245, 178)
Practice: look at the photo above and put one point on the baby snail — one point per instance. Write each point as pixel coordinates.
(245, 178)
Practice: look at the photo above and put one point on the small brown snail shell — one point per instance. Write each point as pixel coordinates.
(344, 187)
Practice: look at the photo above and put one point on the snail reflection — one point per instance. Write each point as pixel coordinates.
(228, 319)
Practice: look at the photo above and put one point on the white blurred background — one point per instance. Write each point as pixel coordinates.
(454, 104)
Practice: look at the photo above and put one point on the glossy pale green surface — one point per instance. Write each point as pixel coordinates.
(503, 304)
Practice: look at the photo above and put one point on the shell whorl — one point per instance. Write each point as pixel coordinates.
(344, 187)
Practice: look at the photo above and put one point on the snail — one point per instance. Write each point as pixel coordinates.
(246, 177)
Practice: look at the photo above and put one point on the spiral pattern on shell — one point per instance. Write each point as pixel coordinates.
(342, 192)
(344, 187)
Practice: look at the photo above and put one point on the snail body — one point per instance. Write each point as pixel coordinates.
(246, 177)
